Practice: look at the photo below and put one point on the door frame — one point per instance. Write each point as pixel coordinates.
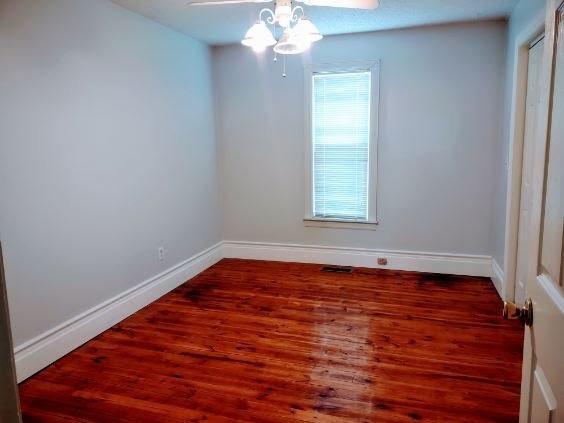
(542, 134)
(515, 155)
(9, 403)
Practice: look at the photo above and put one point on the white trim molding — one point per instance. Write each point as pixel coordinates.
(316, 222)
(498, 278)
(455, 264)
(516, 144)
(48, 347)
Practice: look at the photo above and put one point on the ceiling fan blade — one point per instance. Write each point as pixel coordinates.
(349, 4)
(219, 2)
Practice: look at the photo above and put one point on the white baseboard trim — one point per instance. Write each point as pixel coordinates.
(456, 264)
(498, 277)
(48, 347)
(53, 344)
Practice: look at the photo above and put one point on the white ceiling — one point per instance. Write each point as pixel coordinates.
(227, 24)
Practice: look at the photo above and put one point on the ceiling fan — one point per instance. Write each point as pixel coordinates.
(350, 4)
(298, 32)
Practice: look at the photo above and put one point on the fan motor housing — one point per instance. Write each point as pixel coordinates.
(283, 12)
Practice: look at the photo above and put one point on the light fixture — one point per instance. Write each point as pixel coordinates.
(298, 31)
(258, 37)
(283, 14)
(307, 29)
(292, 42)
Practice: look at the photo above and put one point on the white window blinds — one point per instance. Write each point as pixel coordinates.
(341, 141)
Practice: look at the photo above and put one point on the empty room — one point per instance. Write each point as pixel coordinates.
(282, 211)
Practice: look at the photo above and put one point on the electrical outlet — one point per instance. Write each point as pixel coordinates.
(161, 253)
(382, 261)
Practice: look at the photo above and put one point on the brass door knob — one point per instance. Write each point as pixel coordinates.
(524, 314)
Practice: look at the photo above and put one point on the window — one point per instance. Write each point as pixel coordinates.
(343, 103)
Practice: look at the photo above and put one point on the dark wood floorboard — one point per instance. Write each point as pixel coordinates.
(256, 341)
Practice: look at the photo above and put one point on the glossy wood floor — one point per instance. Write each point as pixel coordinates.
(260, 341)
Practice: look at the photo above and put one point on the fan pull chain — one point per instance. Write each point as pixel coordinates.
(284, 72)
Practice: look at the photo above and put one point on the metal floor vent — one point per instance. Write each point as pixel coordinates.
(337, 269)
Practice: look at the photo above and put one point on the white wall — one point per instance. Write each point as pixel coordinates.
(525, 12)
(441, 110)
(107, 152)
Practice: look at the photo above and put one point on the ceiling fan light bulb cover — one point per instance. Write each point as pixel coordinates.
(307, 29)
(292, 43)
(258, 37)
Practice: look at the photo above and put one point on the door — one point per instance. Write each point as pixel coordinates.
(532, 106)
(9, 405)
(542, 389)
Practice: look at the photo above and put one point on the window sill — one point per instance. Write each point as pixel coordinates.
(315, 222)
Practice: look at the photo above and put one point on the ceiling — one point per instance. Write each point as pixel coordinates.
(225, 24)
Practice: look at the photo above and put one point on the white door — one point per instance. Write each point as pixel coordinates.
(542, 389)
(532, 106)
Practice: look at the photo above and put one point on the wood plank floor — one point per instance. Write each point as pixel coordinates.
(256, 341)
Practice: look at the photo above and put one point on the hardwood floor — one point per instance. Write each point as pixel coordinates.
(258, 341)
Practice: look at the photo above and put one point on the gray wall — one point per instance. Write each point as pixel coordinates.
(107, 152)
(524, 13)
(440, 117)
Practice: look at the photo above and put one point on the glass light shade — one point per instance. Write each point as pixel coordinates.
(258, 37)
(292, 43)
(307, 29)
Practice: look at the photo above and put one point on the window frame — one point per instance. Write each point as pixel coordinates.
(309, 71)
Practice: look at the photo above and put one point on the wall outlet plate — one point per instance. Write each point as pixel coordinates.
(161, 253)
